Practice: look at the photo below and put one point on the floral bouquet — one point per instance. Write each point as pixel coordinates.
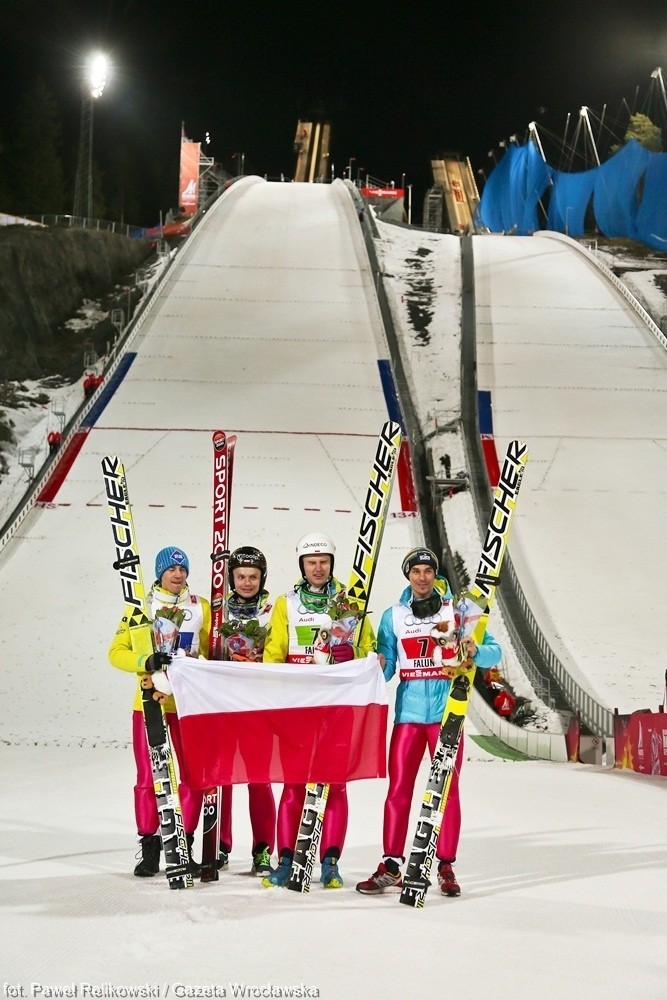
(244, 639)
(343, 606)
(344, 613)
(166, 626)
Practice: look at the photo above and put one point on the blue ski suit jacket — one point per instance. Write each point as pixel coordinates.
(423, 701)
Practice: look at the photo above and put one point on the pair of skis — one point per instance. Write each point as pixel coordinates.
(474, 607)
(127, 562)
(223, 467)
(373, 520)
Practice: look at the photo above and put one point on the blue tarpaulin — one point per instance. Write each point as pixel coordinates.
(627, 195)
(569, 200)
(652, 214)
(517, 184)
(617, 187)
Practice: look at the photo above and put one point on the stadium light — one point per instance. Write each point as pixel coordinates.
(94, 81)
(98, 69)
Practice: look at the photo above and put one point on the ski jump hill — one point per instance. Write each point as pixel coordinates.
(267, 325)
(579, 372)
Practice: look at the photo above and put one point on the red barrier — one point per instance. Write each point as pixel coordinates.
(491, 459)
(406, 479)
(62, 467)
(572, 737)
(640, 742)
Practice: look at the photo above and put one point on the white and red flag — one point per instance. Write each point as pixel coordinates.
(280, 722)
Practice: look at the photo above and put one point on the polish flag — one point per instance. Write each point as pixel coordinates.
(280, 722)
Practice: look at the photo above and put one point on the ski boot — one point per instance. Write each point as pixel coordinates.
(261, 861)
(387, 876)
(331, 878)
(149, 858)
(280, 875)
(447, 880)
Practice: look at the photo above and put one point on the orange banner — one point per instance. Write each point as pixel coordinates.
(188, 189)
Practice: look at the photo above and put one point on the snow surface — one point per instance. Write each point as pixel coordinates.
(575, 372)
(268, 327)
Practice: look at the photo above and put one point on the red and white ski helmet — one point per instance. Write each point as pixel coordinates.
(315, 544)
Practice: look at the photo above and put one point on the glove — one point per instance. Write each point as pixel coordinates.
(342, 652)
(161, 684)
(157, 661)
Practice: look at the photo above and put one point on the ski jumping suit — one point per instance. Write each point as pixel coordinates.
(290, 639)
(193, 637)
(241, 647)
(406, 643)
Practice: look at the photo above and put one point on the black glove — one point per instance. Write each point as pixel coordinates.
(157, 661)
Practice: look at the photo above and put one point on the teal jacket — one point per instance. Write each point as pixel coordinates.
(423, 701)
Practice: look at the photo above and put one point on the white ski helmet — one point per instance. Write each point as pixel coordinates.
(315, 544)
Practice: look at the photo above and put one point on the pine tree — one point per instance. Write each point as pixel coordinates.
(641, 128)
(34, 162)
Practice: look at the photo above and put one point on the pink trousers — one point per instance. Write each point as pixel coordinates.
(145, 805)
(335, 818)
(261, 801)
(262, 808)
(406, 750)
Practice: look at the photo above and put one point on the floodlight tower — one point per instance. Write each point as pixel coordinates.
(657, 75)
(534, 135)
(583, 114)
(94, 82)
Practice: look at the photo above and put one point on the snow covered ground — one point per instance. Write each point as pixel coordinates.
(575, 372)
(268, 327)
(593, 416)
(49, 404)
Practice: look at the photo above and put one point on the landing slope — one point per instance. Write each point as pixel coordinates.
(574, 372)
(268, 327)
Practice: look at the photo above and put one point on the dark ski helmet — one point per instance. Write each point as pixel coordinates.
(251, 557)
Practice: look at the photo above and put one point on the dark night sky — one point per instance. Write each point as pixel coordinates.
(398, 81)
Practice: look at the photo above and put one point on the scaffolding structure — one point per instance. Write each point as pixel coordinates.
(451, 204)
(311, 145)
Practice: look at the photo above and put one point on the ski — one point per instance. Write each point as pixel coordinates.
(373, 519)
(473, 612)
(223, 466)
(172, 831)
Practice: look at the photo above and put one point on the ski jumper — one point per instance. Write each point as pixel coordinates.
(407, 645)
(293, 629)
(193, 637)
(242, 645)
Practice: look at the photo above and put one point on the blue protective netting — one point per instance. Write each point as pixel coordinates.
(515, 188)
(652, 213)
(617, 188)
(626, 195)
(569, 200)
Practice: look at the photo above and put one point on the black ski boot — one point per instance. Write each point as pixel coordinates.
(195, 867)
(149, 863)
